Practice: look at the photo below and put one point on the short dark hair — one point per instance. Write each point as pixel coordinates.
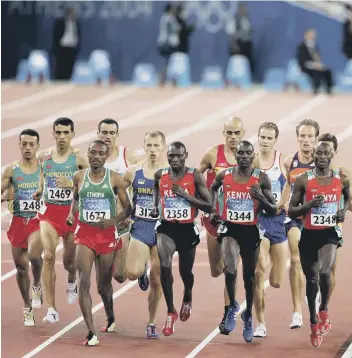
(178, 145)
(98, 141)
(108, 121)
(308, 122)
(328, 137)
(269, 125)
(64, 121)
(30, 132)
(154, 134)
(246, 143)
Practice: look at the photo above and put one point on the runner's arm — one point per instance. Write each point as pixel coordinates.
(6, 180)
(74, 204)
(119, 186)
(297, 207)
(133, 156)
(267, 199)
(205, 163)
(204, 203)
(129, 175)
(215, 186)
(156, 192)
(82, 162)
(346, 196)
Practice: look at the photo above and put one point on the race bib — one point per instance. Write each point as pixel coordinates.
(240, 211)
(177, 209)
(59, 194)
(30, 205)
(276, 190)
(95, 215)
(95, 210)
(325, 215)
(144, 207)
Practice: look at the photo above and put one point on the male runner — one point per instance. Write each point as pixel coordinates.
(317, 196)
(274, 242)
(307, 132)
(142, 246)
(178, 193)
(332, 140)
(95, 191)
(215, 159)
(59, 165)
(245, 191)
(119, 159)
(24, 234)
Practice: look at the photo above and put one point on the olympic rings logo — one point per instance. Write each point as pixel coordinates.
(174, 204)
(212, 16)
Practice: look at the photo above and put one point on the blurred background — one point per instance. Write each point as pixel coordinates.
(306, 44)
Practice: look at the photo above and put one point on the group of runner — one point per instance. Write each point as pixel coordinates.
(128, 213)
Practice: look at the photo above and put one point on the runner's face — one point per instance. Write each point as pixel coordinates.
(233, 135)
(323, 154)
(176, 157)
(307, 138)
(154, 148)
(267, 140)
(108, 134)
(28, 146)
(63, 136)
(331, 144)
(97, 155)
(244, 155)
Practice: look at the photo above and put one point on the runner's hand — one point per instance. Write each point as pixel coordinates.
(64, 183)
(317, 201)
(154, 213)
(214, 219)
(37, 195)
(340, 216)
(176, 189)
(70, 220)
(123, 224)
(105, 223)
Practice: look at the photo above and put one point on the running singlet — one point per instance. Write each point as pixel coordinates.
(221, 163)
(276, 177)
(172, 207)
(238, 207)
(142, 196)
(25, 185)
(120, 164)
(96, 200)
(323, 217)
(52, 170)
(298, 168)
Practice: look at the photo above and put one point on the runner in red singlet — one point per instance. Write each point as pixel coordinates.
(317, 196)
(178, 193)
(215, 159)
(245, 191)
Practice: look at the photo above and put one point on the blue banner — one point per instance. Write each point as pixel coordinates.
(128, 30)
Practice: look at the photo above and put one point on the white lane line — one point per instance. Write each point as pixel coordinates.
(216, 331)
(13, 272)
(36, 97)
(84, 107)
(184, 132)
(96, 308)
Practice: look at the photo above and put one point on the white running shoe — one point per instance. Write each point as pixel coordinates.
(260, 331)
(28, 317)
(297, 320)
(72, 293)
(52, 316)
(37, 297)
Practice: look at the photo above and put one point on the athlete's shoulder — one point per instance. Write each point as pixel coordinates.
(133, 157)
(288, 160)
(45, 154)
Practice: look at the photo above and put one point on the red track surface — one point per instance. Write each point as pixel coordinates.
(131, 306)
